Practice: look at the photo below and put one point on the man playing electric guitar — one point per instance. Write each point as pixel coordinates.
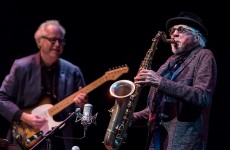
(41, 91)
(35, 77)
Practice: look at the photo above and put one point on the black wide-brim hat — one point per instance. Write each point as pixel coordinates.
(189, 19)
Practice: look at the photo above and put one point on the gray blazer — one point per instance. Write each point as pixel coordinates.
(189, 97)
(21, 88)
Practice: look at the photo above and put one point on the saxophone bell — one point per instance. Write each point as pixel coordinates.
(115, 133)
(122, 88)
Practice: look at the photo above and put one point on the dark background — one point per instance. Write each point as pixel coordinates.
(105, 35)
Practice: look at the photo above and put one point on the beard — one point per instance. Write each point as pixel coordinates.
(177, 49)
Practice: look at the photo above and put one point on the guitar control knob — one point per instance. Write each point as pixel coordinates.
(28, 141)
(35, 136)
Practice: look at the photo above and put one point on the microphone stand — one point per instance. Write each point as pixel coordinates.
(51, 132)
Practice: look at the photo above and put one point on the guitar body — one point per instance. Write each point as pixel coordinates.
(25, 134)
(28, 136)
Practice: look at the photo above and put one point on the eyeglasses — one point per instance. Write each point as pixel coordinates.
(53, 40)
(180, 29)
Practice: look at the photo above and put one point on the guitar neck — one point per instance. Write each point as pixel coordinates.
(70, 99)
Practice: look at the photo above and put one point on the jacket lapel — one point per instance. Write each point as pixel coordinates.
(185, 63)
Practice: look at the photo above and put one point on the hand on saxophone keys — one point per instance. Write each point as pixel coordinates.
(147, 77)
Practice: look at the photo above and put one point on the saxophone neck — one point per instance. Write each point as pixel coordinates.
(162, 35)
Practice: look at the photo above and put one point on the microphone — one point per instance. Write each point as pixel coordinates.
(86, 119)
(75, 148)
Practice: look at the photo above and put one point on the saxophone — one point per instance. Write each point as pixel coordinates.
(127, 94)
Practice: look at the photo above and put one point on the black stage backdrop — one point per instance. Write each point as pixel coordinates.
(102, 36)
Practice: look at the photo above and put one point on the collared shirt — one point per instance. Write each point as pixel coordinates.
(49, 80)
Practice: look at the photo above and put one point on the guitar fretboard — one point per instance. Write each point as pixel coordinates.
(70, 99)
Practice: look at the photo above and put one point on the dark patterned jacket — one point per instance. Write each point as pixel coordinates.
(187, 102)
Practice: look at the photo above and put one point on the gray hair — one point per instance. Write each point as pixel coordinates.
(202, 39)
(41, 31)
(196, 32)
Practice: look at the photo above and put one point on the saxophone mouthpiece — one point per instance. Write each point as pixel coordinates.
(164, 38)
(171, 41)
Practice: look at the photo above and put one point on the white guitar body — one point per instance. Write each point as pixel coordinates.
(42, 111)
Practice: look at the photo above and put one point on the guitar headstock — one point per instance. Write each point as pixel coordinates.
(115, 73)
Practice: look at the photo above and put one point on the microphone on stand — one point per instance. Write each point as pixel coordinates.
(87, 115)
(75, 148)
(86, 118)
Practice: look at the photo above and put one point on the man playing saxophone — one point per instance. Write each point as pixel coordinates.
(181, 93)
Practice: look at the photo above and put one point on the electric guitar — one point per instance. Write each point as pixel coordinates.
(28, 136)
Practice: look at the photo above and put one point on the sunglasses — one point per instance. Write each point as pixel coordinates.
(180, 29)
